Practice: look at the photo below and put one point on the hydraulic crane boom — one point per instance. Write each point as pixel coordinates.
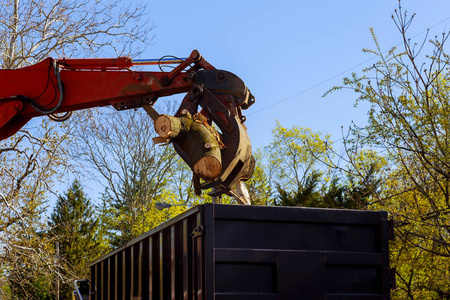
(56, 86)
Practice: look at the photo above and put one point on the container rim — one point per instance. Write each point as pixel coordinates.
(152, 231)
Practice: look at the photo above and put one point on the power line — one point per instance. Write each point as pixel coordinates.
(340, 74)
(310, 88)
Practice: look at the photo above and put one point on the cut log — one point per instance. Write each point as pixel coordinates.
(208, 167)
(167, 126)
(196, 138)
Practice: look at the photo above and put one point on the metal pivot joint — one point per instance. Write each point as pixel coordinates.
(222, 96)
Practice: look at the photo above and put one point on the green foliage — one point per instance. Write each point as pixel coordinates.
(120, 224)
(74, 225)
(294, 154)
(297, 169)
(29, 165)
(339, 192)
(408, 122)
(27, 276)
(423, 270)
(135, 172)
(258, 186)
(305, 195)
(34, 158)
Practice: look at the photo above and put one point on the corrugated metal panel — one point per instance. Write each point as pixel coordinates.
(226, 252)
(158, 265)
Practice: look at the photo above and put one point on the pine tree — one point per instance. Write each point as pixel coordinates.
(74, 224)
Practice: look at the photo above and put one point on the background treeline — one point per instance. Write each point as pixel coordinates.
(398, 162)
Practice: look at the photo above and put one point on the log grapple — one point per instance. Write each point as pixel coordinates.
(208, 130)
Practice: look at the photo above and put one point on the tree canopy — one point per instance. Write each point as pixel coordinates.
(408, 124)
(75, 229)
(36, 157)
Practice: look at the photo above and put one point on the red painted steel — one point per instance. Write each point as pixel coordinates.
(86, 83)
(65, 85)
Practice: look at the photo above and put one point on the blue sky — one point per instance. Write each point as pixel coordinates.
(288, 49)
(288, 52)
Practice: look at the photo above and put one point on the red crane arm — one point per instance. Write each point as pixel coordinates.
(64, 85)
(57, 86)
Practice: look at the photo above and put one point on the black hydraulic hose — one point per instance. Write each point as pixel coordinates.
(42, 109)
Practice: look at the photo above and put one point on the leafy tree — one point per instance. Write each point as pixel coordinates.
(28, 167)
(135, 172)
(339, 192)
(74, 225)
(289, 168)
(305, 195)
(258, 186)
(28, 275)
(297, 169)
(33, 30)
(32, 159)
(408, 123)
(294, 154)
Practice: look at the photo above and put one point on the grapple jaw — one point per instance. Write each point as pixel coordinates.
(237, 164)
(221, 96)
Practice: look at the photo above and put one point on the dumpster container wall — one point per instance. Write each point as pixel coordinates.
(216, 251)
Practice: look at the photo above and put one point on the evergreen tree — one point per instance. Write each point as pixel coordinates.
(74, 224)
(305, 195)
(347, 193)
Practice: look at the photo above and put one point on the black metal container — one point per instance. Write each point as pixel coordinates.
(230, 252)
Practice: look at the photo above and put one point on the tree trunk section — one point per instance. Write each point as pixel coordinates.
(200, 141)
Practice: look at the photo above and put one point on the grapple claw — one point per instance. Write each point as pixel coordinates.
(221, 95)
